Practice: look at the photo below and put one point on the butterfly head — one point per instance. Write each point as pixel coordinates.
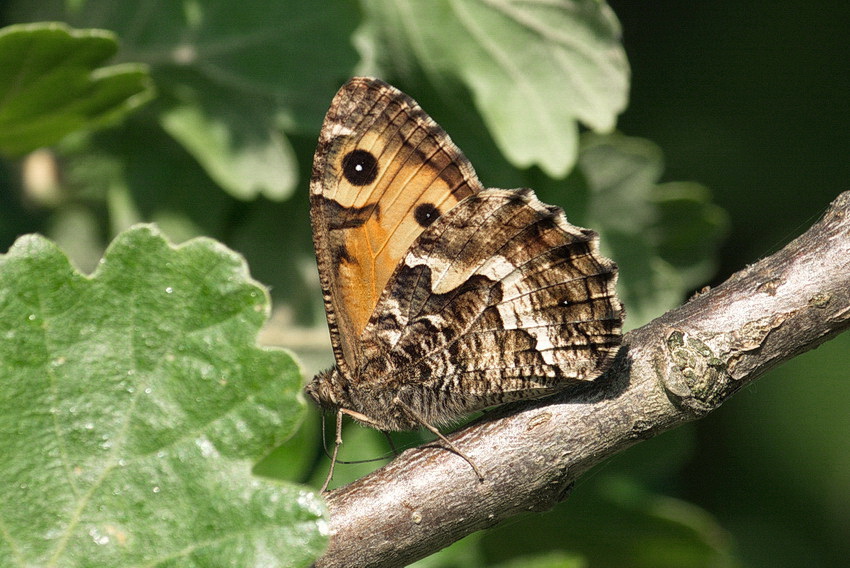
(327, 390)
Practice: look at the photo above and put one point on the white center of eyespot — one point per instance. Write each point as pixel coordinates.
(359, 167)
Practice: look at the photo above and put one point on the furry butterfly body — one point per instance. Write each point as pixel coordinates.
(443, 297)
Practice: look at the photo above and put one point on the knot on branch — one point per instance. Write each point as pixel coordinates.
(696, 378)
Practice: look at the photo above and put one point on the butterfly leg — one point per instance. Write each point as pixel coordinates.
(413, 414)
(337, 444)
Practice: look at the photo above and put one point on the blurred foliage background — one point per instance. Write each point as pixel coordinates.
(215, 110)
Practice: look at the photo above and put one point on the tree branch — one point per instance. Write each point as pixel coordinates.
(675, 369)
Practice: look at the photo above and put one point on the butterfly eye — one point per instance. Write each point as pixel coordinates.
(425, 214)
(360, 167)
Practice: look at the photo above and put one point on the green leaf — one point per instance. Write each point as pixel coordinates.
(464, 553)
(142, 174)
(535, 69)
(52, 84)
(245, 157)
(689, 229)
(234, 78)
(613, 521)
(665, 531)
(550, 560)
(663, 237)
(134, 403)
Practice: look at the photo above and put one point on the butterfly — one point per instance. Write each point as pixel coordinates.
(443, 297)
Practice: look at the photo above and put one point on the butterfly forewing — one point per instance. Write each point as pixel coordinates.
(383, 171)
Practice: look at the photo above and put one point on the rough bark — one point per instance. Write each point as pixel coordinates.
(675, 369)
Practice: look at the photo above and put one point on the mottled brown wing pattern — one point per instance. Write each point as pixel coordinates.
(499, 299)
(383, 171)
(443, 297)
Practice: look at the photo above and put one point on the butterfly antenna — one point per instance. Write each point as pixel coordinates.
(390, 442)
(325, 436)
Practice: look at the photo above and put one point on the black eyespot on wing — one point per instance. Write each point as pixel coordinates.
(425, 214)
(360, 167)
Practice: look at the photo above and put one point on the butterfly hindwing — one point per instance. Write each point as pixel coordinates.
(382, 173)
(499, 299)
